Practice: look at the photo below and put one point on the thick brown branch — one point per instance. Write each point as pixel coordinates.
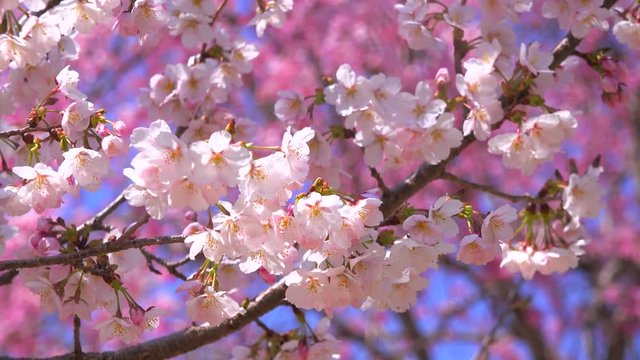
(569, 44)
(72, 258)
(532, 335)
(425, 174)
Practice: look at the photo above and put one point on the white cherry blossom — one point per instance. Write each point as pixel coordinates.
(212, 307)
(44, 187)
(290, 106)
(273, 14)
(496, 226)
(87, 166)
(350, 92)
(581, 197)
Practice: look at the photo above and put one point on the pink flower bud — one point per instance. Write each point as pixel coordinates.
(266, 276)
(44, 224)
(136, 316)
(442, 76)
(34, 239)
(192, 228)
(102, 130)
(120, 128)
(290, 209)
(191, 216)
(608, 65)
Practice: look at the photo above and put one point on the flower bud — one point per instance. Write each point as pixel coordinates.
(191, 216)
(120, 128)
(442, 77)
(102, 130)
(192, 228)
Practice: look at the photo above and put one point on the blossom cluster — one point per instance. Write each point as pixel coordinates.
(43, 187)
(330, 248)
(81, 291)
(553, 244)
(183, 91)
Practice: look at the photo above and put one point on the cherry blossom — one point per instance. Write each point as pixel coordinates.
(87, 167)
(209, 242)
(212, 307)
(44, 187)
(350, 93)
(272, 14)
(496, 226)
(290, 106)
(477, 251)
(117, 328)
(628, 33)
(581, 197)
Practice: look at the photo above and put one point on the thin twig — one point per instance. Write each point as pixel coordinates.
(128, 233)
(178, 263)
(75, 257)
(77, 346)
(218, 11)
(376, 175)
(419, 343)
(25, 130)
(491, 190)
(50, 5)
(483, 352)
(7, 277)
(448, 315)
(104, 213)
(265, 328)
(171, 267)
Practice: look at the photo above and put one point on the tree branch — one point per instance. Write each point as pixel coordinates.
(171, 267)
(77, 346)
(483, 352)
(104, 213)
(491, 190)
(25, 130)
(72, 258)
(7, 277)
(376, 175)
(418, 342)
(50, 5)
(569, 43)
